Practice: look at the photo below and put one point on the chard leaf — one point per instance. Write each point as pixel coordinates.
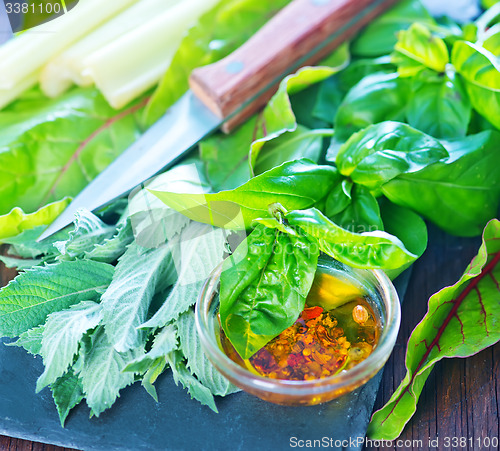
(126, 302)
(459, 194)
(33, 295)
(297, 184)
(89, 231)
(418, 49)
(53, 148)
(17, 221)
(25, 245)
(61, 337)
(217, 33)
(31, 340)
(197, 361)
(380, 36)
(377, 97)
(194, 387)
(112, 248)
(164, 342)
(67, 392)
(196, 251)
(101, 373)
(362, 250)
(440, 107)
(481, 72)
(21, 263)
(263, 287)
(462, 320)
(383, 151)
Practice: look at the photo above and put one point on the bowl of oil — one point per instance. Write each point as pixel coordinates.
(341, 339)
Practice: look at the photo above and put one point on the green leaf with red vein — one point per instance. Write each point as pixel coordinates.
(462, 320)
(50, 149)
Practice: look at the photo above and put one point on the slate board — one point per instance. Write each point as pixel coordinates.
(137, 422)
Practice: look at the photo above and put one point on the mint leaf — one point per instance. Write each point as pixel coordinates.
(101, 374)
(31, 340)
(27, 300)
(111, 248)
(89, 230)
(67, 392)
(197, 361)
(61, 336)
(126, 302)
(164, 342)
(196, 251)
(194, 387)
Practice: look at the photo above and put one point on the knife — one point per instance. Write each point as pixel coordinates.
(227, 92)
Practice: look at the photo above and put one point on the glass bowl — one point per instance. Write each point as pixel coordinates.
(291, 392)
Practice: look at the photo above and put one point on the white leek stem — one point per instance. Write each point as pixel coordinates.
(65, 69)
(28, 52)
(129, 66)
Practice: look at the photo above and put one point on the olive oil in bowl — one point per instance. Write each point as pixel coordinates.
(338, 329)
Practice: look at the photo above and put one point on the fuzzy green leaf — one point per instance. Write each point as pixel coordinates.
(101, 374)
(27, 300)
(194, 387)
(89, 231)
(197, 361)
(197, 251)
(126, 302)
(61, 337)
(31, 340)
(67, 392)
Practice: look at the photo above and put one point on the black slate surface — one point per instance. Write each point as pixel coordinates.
(137, 422)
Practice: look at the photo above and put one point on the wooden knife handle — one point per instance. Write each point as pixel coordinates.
(300, 34)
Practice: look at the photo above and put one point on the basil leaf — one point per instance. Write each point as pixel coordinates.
(301, 143)
(362, 250)
(440, 106)
(381, 152)
(263, 287)
(418, 49)
(461, 321)
(481, 72)
(339, 198)
(379, 37)
(362, 214)
(409, 227)
(377, 97)
(297, 184)
(459, 194)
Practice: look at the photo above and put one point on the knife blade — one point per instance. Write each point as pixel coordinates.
(228, 92)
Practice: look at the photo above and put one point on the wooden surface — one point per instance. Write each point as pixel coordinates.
(461, 397)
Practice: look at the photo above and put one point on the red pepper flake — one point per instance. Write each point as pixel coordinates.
(311, 313)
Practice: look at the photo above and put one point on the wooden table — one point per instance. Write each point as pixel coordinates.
(461, 397)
